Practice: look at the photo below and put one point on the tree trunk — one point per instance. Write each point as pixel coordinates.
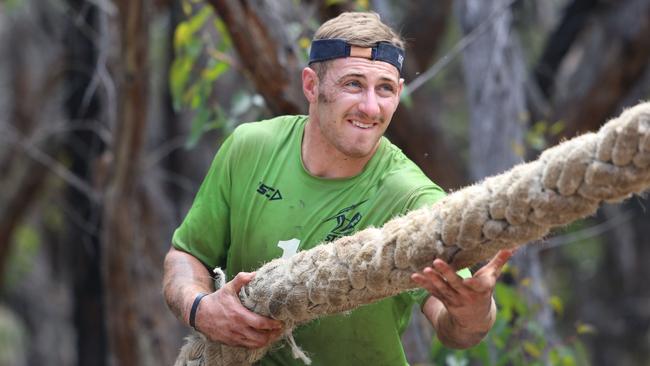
(626, 55)
(122, 236)
(618, 287)
(495, 75)
(558, 44)
(83, 146)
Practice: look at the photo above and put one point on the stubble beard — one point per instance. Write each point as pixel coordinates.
(328, 130)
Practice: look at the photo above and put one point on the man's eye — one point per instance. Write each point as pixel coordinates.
(387, 88)
(353, 84)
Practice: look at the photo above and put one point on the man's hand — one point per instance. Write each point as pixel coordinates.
(461, 310)
(221, 317)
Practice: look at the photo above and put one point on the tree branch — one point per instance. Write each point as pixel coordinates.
(271, 65)
(627, 61)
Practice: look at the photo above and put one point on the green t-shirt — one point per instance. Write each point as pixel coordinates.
(258, 202)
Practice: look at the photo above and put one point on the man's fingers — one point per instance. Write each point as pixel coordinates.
(486, 277)
(247, 317)
(259, 322)
(448, 274)
(253, 338)
(499, 260)
(436, 285)
(257, 339)
(242, 279)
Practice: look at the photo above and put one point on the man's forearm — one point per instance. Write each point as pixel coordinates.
(455, 334)
(184, 277)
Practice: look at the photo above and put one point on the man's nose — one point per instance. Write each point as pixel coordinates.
(370, 104)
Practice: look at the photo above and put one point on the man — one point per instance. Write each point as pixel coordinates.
(292, 182)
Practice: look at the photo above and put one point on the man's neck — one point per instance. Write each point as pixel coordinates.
(323, 160)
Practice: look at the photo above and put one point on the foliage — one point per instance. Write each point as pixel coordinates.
(541, 132)
(11, 5)
(203, 53)
(13, 338)
(27, 242)
(516, 338)
(360, 5)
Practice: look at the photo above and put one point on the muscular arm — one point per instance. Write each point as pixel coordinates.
(453, 333)
(184, 277)
(462, 311)
(220, 315)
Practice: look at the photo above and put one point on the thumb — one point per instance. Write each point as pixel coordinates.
(242, 279)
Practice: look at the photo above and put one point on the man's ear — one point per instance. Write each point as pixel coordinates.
(310, 84)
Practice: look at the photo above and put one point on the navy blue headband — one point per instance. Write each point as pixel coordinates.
(328, 49)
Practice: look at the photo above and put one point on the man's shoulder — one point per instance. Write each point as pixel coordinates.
(252, 139)
(402, 179)
(399, 170)
(268, 129)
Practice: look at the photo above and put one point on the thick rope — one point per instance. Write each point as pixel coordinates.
(567, 182)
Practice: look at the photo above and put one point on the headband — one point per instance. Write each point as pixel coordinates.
(328, 49)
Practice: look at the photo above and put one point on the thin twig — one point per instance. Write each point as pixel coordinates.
(456, 50)
(162, 151)
(586, 233)
(14, 137)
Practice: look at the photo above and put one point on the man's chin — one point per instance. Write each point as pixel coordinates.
(359, 153)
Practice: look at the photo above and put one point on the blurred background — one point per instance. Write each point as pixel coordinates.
(111, 111)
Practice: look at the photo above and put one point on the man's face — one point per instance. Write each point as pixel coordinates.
(356, 101)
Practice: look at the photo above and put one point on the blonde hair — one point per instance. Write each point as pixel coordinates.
(362, 29)
(359, 29)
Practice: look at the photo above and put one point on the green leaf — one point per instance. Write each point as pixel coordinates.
(481, 353)
(226, 40)
(197, 21)
(187, 7)
(556, 128)
(198, 127)
(213, 72)
(539, 127)
(517, 148)
(178, 76)
(27, 238)
(181, 35)
(584, 328)
(13, 5)
(186, 30)
(562, 356)
(557, 304)
(304, 43)
(27, 242)
(363, 5)
(532, 349)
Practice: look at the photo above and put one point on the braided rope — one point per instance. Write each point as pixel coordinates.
(567, 182)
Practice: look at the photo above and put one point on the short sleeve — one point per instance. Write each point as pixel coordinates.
(423, 196)
(205, 231)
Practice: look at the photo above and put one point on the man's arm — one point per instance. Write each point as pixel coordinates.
(461, 311)
(220, 315)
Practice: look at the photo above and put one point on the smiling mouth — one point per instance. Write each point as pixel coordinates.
(362, 125)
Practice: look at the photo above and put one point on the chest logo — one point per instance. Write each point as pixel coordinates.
(269, 192)
(346, 220)
(289, 247)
